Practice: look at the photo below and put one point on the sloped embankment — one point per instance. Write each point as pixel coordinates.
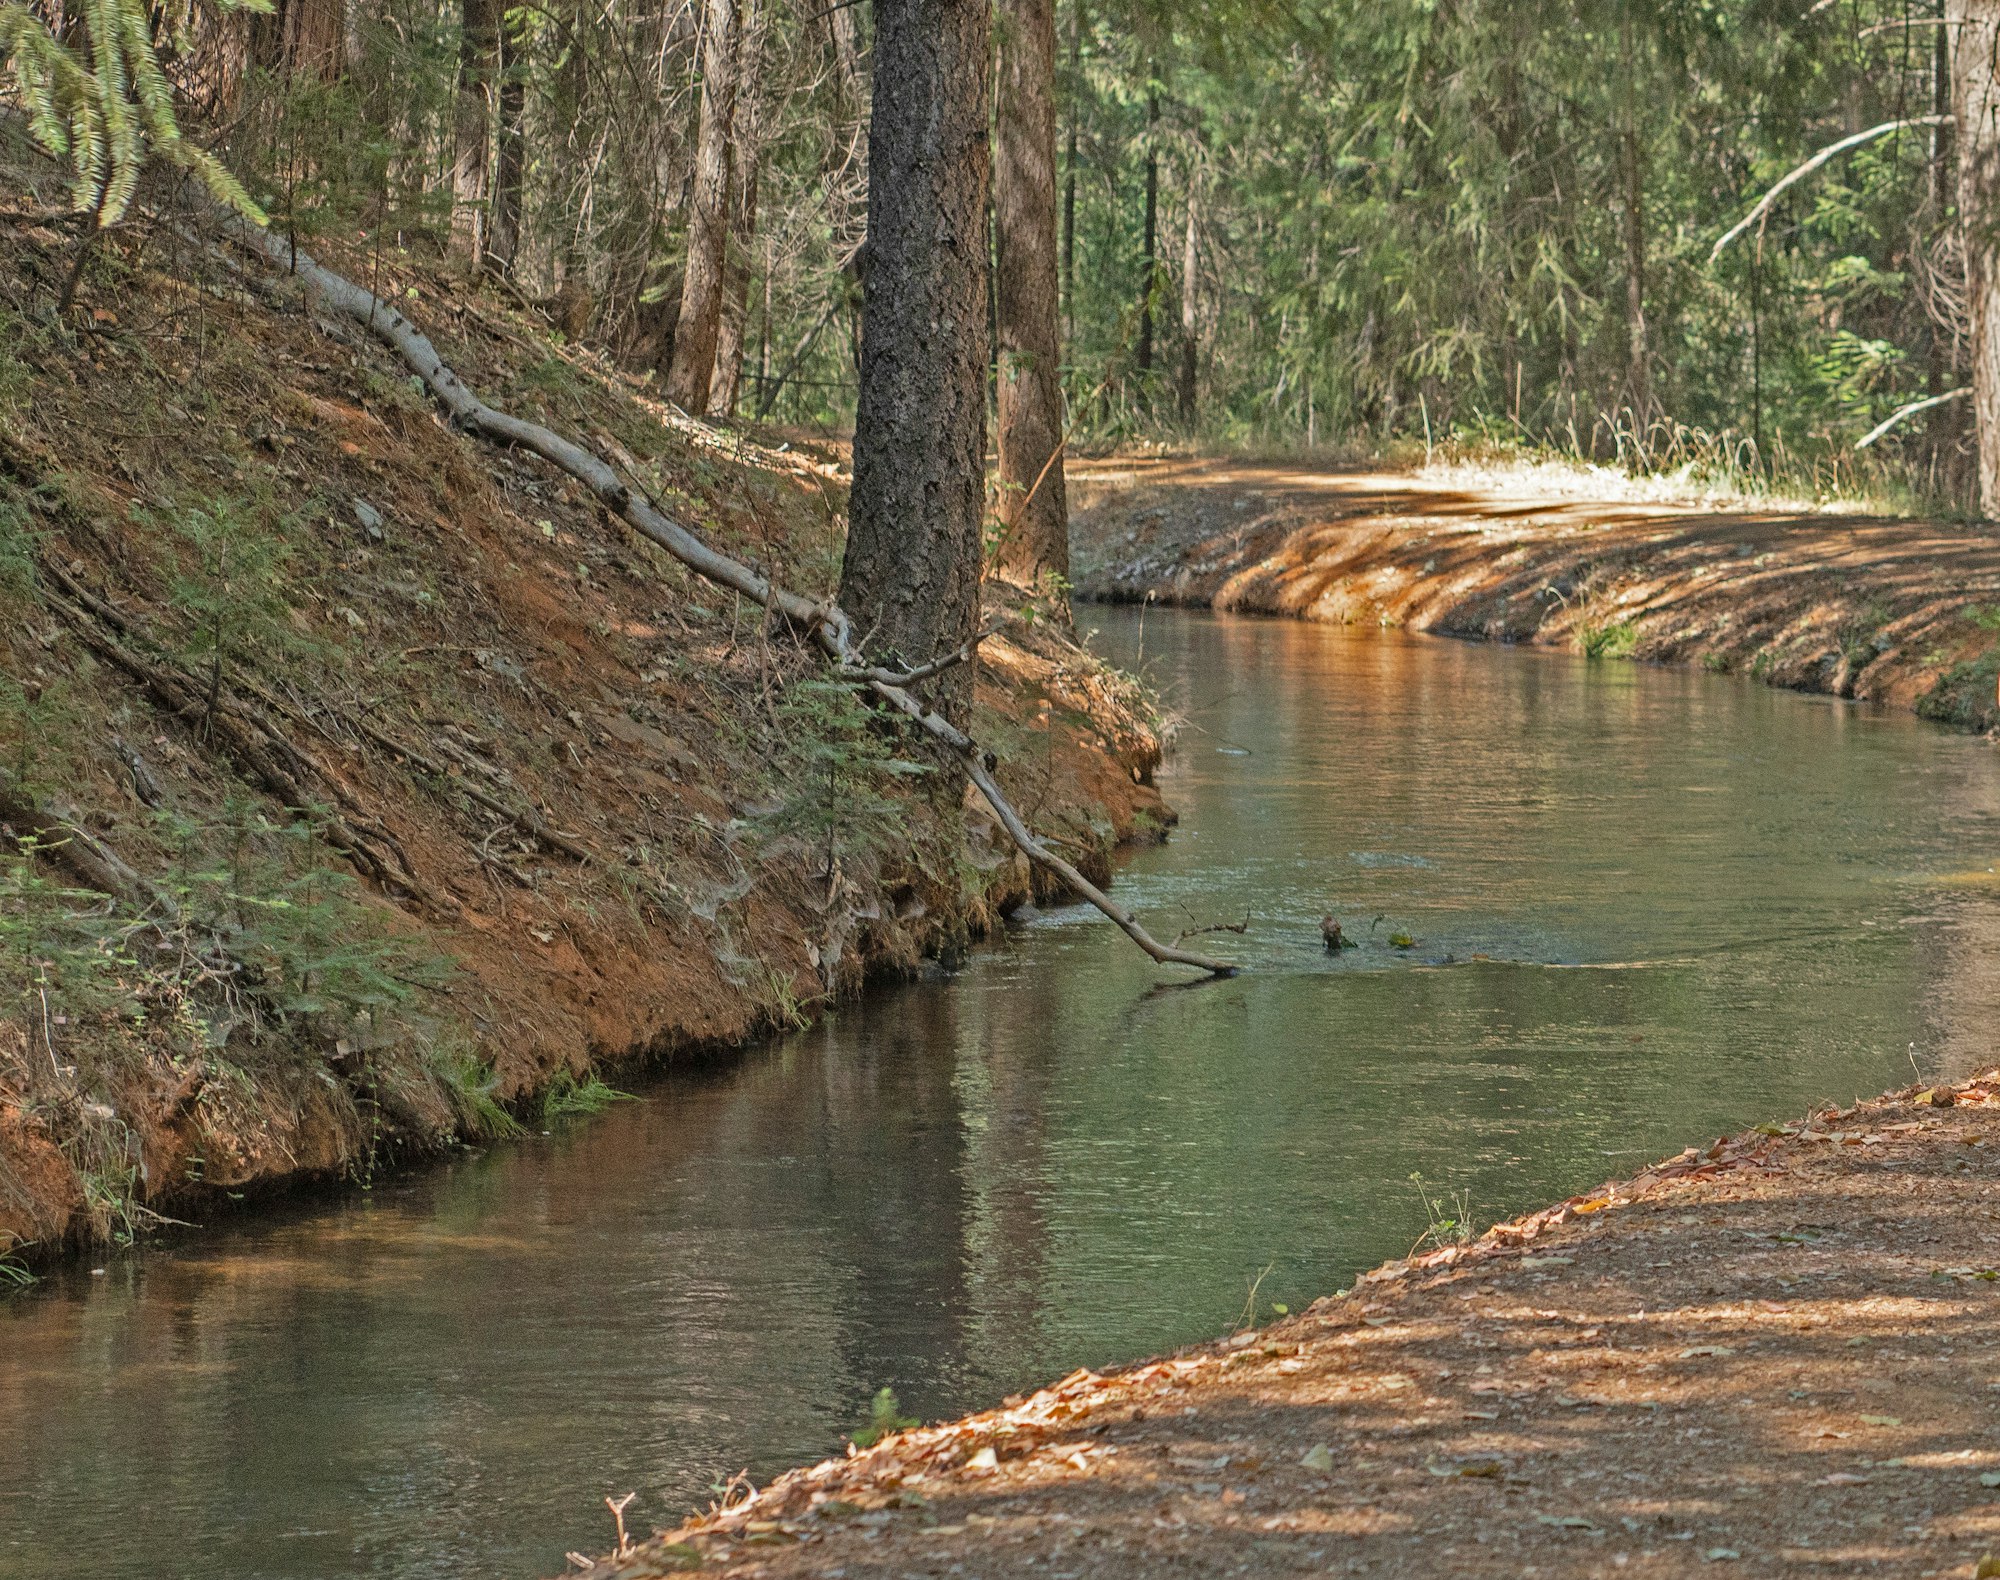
(1772, 1356)
(422, 787)
(1896, 611)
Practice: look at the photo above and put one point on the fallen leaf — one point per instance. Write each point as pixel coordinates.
(1716, 1555)
(1990, 1479)
(1547, 1261)
(985, 1459)
(1881, 1420)
(1319, 1457)
(1573, 1522)
(1988, 1568)
(1708, 1349)
(1842, 1478)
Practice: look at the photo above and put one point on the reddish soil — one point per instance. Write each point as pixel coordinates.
(1776, 1356)
(1896, 611)
(438, 620)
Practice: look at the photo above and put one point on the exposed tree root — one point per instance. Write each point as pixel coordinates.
(830, 626)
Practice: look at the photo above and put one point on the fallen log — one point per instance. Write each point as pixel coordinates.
(828, 624)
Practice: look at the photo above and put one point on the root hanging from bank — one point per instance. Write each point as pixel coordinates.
(828, 624)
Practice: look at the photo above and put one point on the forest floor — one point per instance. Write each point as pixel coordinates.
(1897, 611)
(1776, 1356)
(455, 795)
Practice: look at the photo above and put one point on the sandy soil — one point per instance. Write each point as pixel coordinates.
(1777, 1356)
(1901, 612)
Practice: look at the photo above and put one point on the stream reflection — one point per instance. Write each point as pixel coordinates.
(1648, 906)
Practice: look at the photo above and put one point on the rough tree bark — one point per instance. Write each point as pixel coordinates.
(1638, 357)
(1069, 172)
(725, 386)
(1974, 26)
(1149, 266)
(1190, 342)
(693, 368)
(472, 164)
(302, 38)
(911, 577)
(503, 235)
(1034, 510)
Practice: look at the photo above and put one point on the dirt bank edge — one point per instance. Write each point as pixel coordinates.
(1582, 1388)
(1901, 612)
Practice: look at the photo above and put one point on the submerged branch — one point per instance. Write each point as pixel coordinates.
(830, 626)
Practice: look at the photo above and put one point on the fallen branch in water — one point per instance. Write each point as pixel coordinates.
(828, 624)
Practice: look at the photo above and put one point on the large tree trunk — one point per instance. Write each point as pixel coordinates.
(1974, 26)
(1069, 172)
(1190, 342)
(1149, 267)
(1638, 356)
(303, 38)
(1034, 511)
(725, 386)
(503, 235)
(911, 578)
(478, 87)
(693, 367)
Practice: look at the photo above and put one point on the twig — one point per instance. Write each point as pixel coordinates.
(617, 1508)
(1217, 927)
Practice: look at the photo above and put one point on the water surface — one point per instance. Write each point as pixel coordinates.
(1649, 906)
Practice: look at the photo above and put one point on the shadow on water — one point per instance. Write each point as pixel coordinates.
(1644, 907)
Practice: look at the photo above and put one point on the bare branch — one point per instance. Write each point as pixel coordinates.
(1902, 412)
(1831, 151)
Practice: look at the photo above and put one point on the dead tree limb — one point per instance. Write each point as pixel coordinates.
(828, 624)
(1831, 151)
(1901, 414)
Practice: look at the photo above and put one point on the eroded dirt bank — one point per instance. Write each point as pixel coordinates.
(1896, 611)
(1773, 1356)
(441, 792)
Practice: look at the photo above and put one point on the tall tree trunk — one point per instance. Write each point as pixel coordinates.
(1638, 359)
(302, 38)
(693, 368)
(1190, 346)
(1149, 267)
(1069, 172)
(911, 577)
(478, 84)
(725, 386)
(1034, 511)
(503, 237)
(1974, 26)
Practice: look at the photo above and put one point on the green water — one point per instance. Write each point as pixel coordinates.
(1702, 904)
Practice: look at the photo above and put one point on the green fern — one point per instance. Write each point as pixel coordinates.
(105, 106)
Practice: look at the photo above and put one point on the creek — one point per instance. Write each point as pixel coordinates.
(1647, 907)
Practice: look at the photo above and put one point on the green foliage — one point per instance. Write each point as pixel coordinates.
(885, 1415)
(230, 585)
(1449, 1215)
(14, 1273)
(837, 766)
(471, 1085)
(1616, 639)
(570, 1096)
(100, 101)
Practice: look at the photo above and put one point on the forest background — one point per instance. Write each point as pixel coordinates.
(1419, 222)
